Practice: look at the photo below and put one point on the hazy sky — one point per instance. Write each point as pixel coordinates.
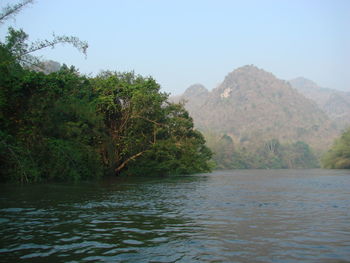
(181, 42)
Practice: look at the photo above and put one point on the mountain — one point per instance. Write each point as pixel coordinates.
(335, 103)
(196, 95)
(252, 106)
(46, 66)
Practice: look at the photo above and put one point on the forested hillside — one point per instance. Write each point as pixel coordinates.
(254, 120)
(335, 103)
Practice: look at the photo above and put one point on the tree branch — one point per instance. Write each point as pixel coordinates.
(120, 167)
(11, 10)
(74, 41)
(149, 120)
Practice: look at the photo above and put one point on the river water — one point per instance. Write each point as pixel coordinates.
(226, 216)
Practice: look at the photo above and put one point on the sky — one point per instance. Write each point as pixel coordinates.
(182, 42)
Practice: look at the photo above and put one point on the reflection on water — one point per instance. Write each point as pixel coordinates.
(231, 216)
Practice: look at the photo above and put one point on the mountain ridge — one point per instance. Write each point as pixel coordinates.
(252, 105)
(335, 103)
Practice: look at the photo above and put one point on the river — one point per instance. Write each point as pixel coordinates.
(226, 216)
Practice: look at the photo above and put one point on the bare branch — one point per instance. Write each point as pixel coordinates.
(120, 167)
(11, 10)
(82, 46)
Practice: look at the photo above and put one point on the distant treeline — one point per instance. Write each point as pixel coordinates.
(275, 155)
(269, 155)
(66, 126)
(338, 157)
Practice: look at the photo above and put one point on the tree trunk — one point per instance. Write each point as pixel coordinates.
(120, 167)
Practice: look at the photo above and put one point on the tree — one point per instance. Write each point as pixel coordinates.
(30, 131)
(300, 155)
(338, 157)
(177, 149)
(142, 123)
(269, 155)
(65, 126)
(50, 127)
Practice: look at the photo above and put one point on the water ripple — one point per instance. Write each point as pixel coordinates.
(230, 216)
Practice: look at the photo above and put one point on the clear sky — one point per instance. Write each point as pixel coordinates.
(182, 42)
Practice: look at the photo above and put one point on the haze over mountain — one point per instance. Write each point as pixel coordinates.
(46, 66)
(252, 105)
(335, 103)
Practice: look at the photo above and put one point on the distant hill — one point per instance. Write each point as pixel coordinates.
(253, 106)
(335, 103)
(194, 97)
(47, 66)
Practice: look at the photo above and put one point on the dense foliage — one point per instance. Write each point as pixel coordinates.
(338, 156)
(269, 155)
(65, 126)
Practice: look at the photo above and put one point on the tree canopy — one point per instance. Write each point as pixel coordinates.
(67, 126)
(338, 157)
(270, 154)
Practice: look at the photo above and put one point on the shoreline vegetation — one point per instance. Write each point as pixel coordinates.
(64, 126)
(338, 157)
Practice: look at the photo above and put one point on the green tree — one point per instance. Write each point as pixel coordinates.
(300, 155)
(223, 153)
(338, 157)
(65, 126)
(141, 123)
(177, 149)
(269, 155)
(49, 126)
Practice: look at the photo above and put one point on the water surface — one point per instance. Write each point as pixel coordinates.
(230, 216)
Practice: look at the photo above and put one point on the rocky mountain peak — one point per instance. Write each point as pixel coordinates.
(248, 71)
(247, 77)
(195, 90)
(251, 81)
(253, 105)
